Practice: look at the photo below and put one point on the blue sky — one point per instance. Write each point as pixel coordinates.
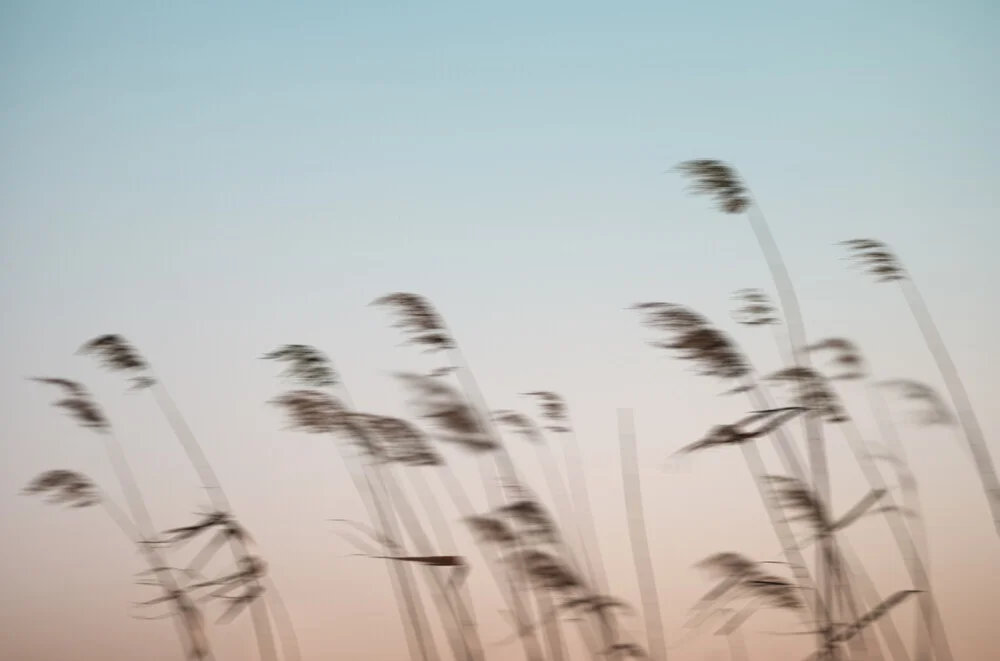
(214, 179)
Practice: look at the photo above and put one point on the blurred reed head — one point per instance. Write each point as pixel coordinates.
(933, 409)
(718, 181)
(811, 391)
(520, 424)
(727, 564)
(115, 353)
(774, 592)
(876, 259)
(78, 404)
(64, 487)
(554, 410)
(490, 529)
(455, 420)
(306, 365)
(403, 442)
(312, 411)
(695, 339)
(543, 571)
(847, 357)
(754, 308)
(800, 500)
(418, 319)
(532, 520)
(740, 576)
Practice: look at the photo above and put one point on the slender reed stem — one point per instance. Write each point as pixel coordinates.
(794, 467)
(258, 611)
(446, 541)
(956, 389)
(464, 507)
(789, 302)
(567, 519)
(189, 631)
(504, 471)
(193, 637)
(737, 646)
(388, 498)
(869, 599)
(422, 644)
(461, 634)
(577, 480)
(656, 639)
(901, 535)
(911, 501)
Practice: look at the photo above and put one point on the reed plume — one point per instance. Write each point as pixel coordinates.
(65, 487)
(932, 412)
(755, 308)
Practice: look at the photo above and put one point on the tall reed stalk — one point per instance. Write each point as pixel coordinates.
(879, 261)
(80, 405)
(319, 410)
(756, 310)
(116, 354)
(565, 519)
(814, 391)
(418, 318)
(732, 196)
(714, 354)
(556, 414)
(641, 556)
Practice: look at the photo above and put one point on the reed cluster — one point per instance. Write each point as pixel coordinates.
(544, 559)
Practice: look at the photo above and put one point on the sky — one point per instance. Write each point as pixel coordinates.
(212, 180)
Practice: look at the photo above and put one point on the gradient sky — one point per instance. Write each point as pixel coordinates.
(214, 179)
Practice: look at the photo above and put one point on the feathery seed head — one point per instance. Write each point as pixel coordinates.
(65, 487)
(755, 308)
(846, 355)
(79, 404)
(491, 529)
(418, 319)
(696, 340)
(456, 420)
(876, 259)
(519, 424)
(934, 412)
(115, 353)
(403, 442)
(307, 365)
(554, 410)
(719, 181)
